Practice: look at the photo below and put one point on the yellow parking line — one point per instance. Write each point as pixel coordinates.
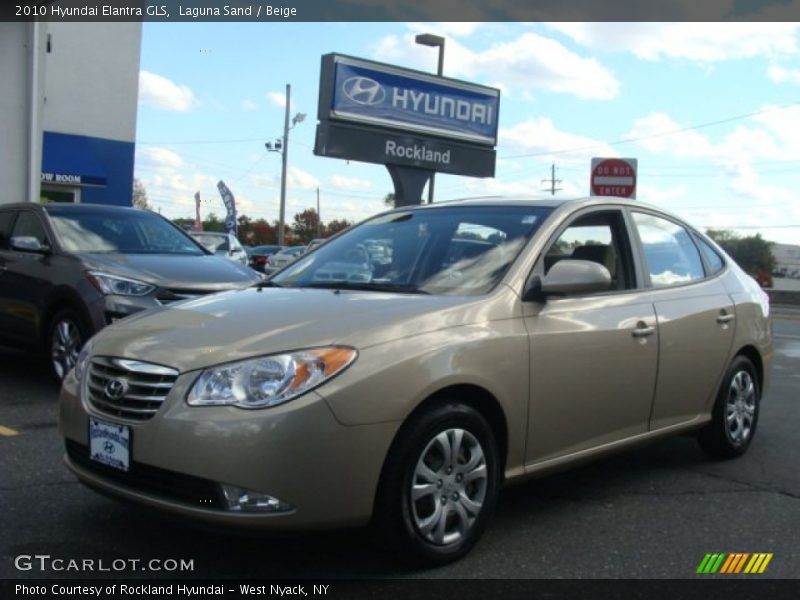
(7, 431)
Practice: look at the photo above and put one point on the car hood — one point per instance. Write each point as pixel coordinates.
(240, 324)
(184, 272)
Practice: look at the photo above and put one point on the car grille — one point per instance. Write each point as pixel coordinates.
(128, 388)
(152, 480)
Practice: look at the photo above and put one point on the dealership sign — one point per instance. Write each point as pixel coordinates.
(372, 93)
(365, 144)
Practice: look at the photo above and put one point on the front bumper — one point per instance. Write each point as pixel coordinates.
(297, 452)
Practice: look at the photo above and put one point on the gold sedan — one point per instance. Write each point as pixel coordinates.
(487, 341)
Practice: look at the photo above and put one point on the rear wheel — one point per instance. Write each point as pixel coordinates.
(735, 415)
(439, 485)
(66, 337)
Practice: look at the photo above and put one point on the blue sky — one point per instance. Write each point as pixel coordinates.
(711, 112)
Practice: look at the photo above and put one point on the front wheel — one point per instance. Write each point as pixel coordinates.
(439, 485)
(735, 414)
(66, 337)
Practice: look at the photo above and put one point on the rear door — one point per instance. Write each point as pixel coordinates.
(696, 319)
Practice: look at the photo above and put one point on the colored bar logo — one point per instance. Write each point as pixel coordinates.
(736, 562)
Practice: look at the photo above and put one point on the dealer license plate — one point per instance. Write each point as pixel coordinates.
(110, 444)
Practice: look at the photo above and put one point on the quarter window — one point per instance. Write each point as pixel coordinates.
(672, 258)
(713, 259)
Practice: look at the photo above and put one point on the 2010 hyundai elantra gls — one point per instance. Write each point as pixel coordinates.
(491, 340)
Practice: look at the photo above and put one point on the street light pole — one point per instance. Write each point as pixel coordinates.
(284, 159)
(282, 146)
(428, 39)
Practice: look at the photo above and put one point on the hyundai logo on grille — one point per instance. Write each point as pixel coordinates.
(115, 389)
(363, 90)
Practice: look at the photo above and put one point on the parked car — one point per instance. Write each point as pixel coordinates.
(506, 339)
(259, 256)
(222, 244)
(314, 243)
(282, 258)
(67, 270)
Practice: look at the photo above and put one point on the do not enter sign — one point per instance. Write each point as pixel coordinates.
(613, 177)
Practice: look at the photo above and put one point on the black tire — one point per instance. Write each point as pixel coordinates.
(463, 494)
(66, 335)
(735, 414)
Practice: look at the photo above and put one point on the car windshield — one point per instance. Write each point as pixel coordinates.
(214, 242)
(462, 250)
(105, 231)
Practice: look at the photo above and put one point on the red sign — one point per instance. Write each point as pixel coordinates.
(613, 177)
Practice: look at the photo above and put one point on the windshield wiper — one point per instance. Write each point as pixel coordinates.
(266, 283)
(398, 288)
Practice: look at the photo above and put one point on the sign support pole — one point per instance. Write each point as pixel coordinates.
(408, 184)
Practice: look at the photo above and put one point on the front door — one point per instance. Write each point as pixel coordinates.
(594, 357)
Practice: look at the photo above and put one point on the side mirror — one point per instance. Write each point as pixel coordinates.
(28, 243)
(571, 277)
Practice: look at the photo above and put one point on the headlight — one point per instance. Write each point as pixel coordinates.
(83, 361)
(269, 380)
(111, 284)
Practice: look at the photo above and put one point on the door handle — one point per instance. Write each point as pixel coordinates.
(725, 318)
(643, 330)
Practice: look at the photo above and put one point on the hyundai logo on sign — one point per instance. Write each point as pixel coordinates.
(363, 90)
(388, 96)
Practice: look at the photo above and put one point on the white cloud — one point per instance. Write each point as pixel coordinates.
(158, 158)
(298, 178)
(160, 92)
(249, 105)
(751, 195)
(350, 183)
(528, 62)
(778, 74)
(277, 99)
(702, 42)
(541, 137)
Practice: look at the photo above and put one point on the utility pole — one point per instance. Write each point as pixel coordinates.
(552, 181)
(319, 217)
(284, 156)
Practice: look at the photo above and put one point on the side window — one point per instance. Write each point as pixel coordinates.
(598, 237)
(28, 224)
(6, 219)
(714, 261)
(672, 258)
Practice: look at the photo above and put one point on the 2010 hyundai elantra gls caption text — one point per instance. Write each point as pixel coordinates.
(491, 340)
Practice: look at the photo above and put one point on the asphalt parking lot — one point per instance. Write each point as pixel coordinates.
(652, 513)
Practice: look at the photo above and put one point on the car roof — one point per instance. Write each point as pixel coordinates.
(71, 207)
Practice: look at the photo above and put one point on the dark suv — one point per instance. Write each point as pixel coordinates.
(67, 270)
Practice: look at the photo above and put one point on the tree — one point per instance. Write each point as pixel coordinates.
(336, 226)
(213, 223)
(140, 195)
(753, 253)
(263, 233)
(185, 223)
(305, 225)
(388, 200)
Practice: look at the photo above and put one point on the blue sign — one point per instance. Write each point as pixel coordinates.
(388, 96)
